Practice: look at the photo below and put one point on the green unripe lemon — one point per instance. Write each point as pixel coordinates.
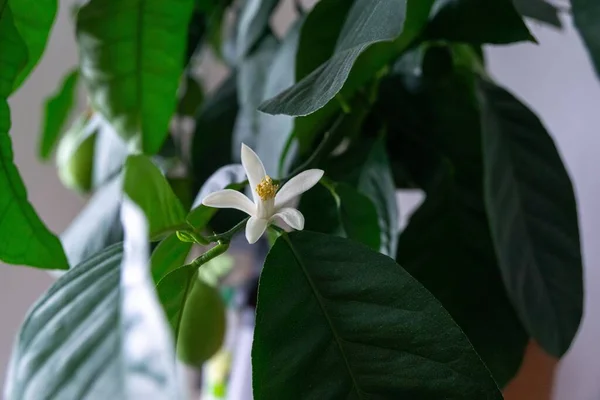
(75, 157)
(202, 327)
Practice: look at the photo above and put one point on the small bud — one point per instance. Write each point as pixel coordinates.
(185, 237)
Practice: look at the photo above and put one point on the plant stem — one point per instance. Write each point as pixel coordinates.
(226, 236)
(216, 251)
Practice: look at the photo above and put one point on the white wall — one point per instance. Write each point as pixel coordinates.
(557, 80)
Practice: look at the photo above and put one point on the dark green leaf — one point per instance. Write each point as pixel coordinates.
(212, 142)
(377, 184)
(24, 239)
(192, 98)
(87, 337)
(97, 226)
(148, 188)
(132, 54)
(473, 21)
(539, 10)
(253, 24)
(586, 14)
(434, 133)
(337, 320)
(368, 22)
(227, 177)
(169, 255)
(56, 112)
(341, 210)
(33, 19)
(533, 219)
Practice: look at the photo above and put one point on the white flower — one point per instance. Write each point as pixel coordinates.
(270, 204)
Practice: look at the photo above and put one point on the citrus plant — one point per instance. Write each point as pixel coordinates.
(306, 142)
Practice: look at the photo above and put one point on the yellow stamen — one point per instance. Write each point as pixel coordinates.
(266, 189)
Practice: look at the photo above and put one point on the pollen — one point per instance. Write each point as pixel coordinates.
(266, 189)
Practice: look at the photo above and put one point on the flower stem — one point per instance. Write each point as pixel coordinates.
(226, 236)
(216, 251)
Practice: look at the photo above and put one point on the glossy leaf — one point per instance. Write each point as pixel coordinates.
(87, 337)
(145, 185)
(253, 23)
(368, 22)
(533, 219)
(56, 112)
(539, 10)
(34, 20)
(24, 239)
(368, 329)
(472, 21)
(585, 15)
(341, 210)
(97, 226)
(131, 56)
(169, 255)
(377, 184)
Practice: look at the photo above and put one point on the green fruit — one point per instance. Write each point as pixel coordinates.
(202, 327)
(75, 156)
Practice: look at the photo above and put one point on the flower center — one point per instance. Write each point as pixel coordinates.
(266, 189)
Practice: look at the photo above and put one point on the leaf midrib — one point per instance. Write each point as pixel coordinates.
(336, 335)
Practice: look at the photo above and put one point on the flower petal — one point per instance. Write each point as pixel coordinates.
(297, 185)
(255, 227)
(292, 217)
(255, 170)
(229, 198)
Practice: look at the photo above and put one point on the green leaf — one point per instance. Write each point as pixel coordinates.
(148, 188)
(434, 132)
(110, 153)
(169, 255)
(368, 329)
(539, 10)
(56, 112)
(87, 337)
(212, 142)
(33, 19)
(137, 93)
(253, 24)
(585, 15)
(24, 239)
(97, 226)
(227, 177)
(533, 219)
(473, 21)
(368, 22)
(377, 184)
(341, 210)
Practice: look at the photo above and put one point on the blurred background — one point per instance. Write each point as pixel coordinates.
(555, 78)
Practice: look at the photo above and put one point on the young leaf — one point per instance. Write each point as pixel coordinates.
(145, 185)
(471, 21)
(56, 112)
(33, 19)
(88, 336)
(24, 239)
(338, 320)
(169, 255)
(132, 54)
(539, 10)
(97, 226)
(533, 219)
(368, 22)
(586, 14)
